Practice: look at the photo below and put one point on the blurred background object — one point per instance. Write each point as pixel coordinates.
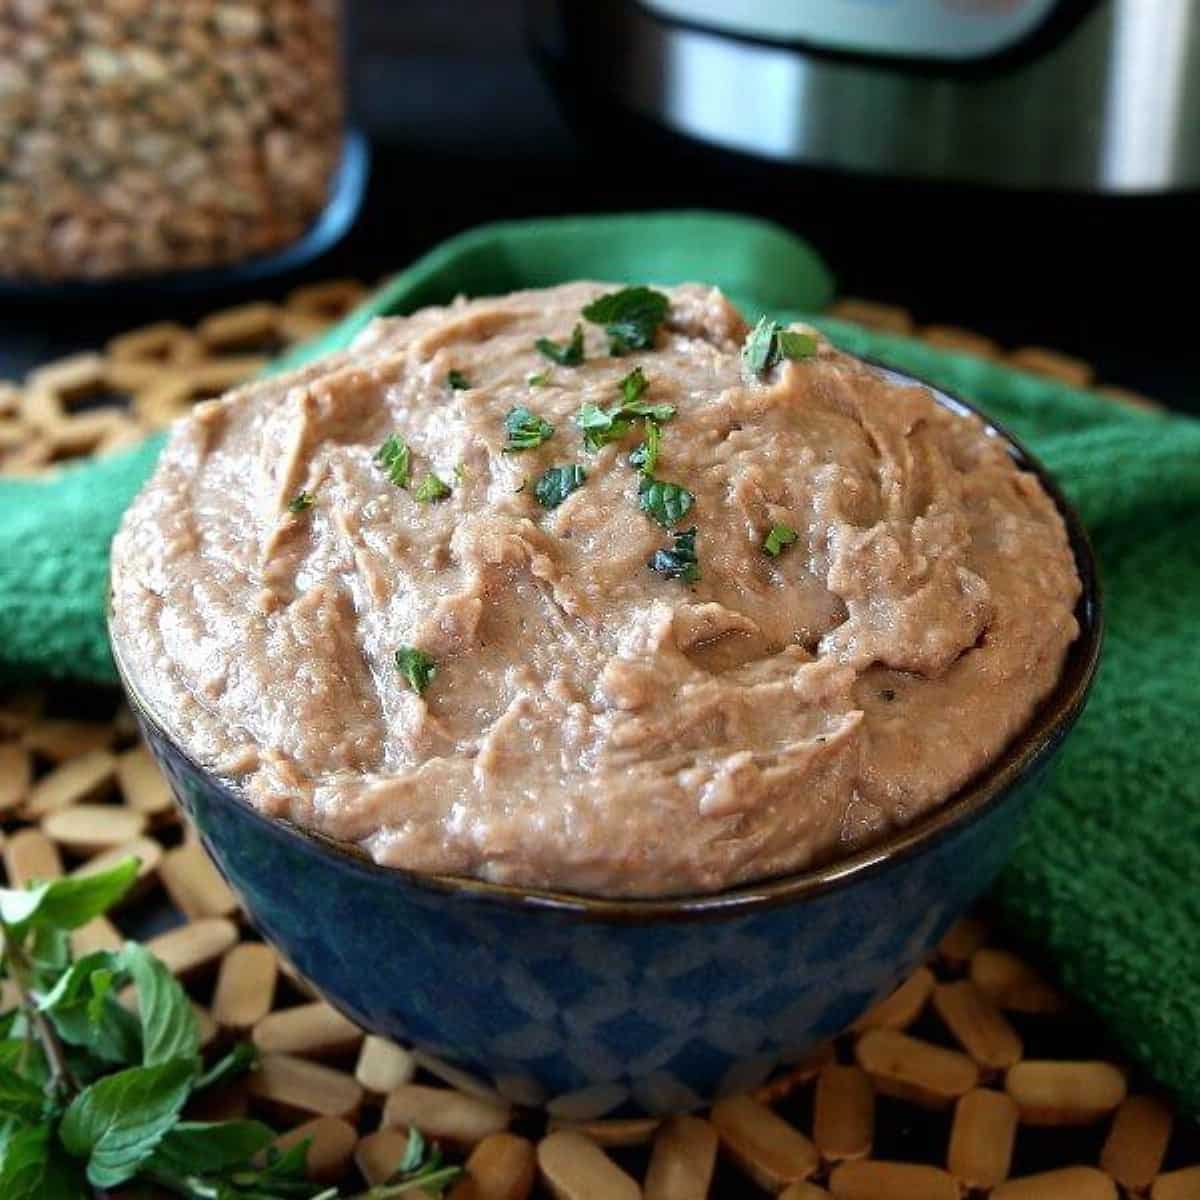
(146, 136)
(482, 110)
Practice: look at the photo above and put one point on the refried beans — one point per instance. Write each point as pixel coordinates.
(643, 604)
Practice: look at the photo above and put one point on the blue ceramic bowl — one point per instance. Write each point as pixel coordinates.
(590, 1005)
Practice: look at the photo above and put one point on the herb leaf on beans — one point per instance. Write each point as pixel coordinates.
(395, 459)
(768, 342)
(603, 425)
(556, 484)
(416, 666)
(525, 430)
(666, 502)
(566, 354)
(778, 537)
(680, 561)
(430, 489)
(645, 455)
(630, 317)
(458, 381)
(300, 502)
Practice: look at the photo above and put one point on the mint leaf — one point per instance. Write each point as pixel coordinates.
(117, 1123)
(198, 1148)
(525, 430)
(19, 1097)
(556, 484)
(645, 456)
(458, 381)
(416, 666)
(778, 537)
(795, 345)
(431, 489)
(300, 502)
(414, 1152)
(665, 502)
(630, 317)
(566, 354)
(84, 1012)
(66, 903)
(680, 561)
(395, 459)
(30, 1169)
(26, 1059)
(601, 426)
(168, 1023)
(768, 342)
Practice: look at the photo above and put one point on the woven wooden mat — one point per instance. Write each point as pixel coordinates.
(977, 1076)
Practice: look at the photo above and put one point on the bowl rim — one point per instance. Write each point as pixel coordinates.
(1037, 740)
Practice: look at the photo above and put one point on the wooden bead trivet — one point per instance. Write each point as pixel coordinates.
(972, 1069)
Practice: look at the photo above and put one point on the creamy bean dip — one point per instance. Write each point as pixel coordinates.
(440, 594)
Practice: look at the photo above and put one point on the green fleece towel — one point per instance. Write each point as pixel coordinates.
(1107, 878)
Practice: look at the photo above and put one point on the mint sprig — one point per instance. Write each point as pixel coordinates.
(91, 1095)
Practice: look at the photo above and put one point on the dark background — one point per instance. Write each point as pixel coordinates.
(465, 128)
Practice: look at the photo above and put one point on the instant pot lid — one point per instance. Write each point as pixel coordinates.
(1091, 96)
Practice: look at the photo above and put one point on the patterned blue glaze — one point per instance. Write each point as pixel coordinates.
(585, 1011)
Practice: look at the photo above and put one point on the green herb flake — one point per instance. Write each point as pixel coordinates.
(603, 425)
(632, 387)
(777, 538)
(645, 456)
(630, 317)
(460, 474)
(666, 502)
(431, 489)
(680, 561)
(538, 379)
(795, 345)
(300, 502)
(566, 354)
(525, 430)
(768, 342)
(556, 484)
(417, 668)
(458, 381)
(395, 459)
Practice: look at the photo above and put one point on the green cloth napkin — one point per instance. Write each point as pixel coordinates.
(1107, 877)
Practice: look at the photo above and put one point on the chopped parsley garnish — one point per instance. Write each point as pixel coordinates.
(460, 474)
(539, 379)
(525, 430)
(603, 425)
(458, 381)
(768, 342)
(630, 317)
(300, 502)
(416, 666)
(566, 354)
(666, 502)
(395, 458)
(645, 456)
(778, 537)
(431, 488)
(556, 484)
(680, 561)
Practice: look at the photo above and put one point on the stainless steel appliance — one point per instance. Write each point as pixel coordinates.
(1065, 95)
